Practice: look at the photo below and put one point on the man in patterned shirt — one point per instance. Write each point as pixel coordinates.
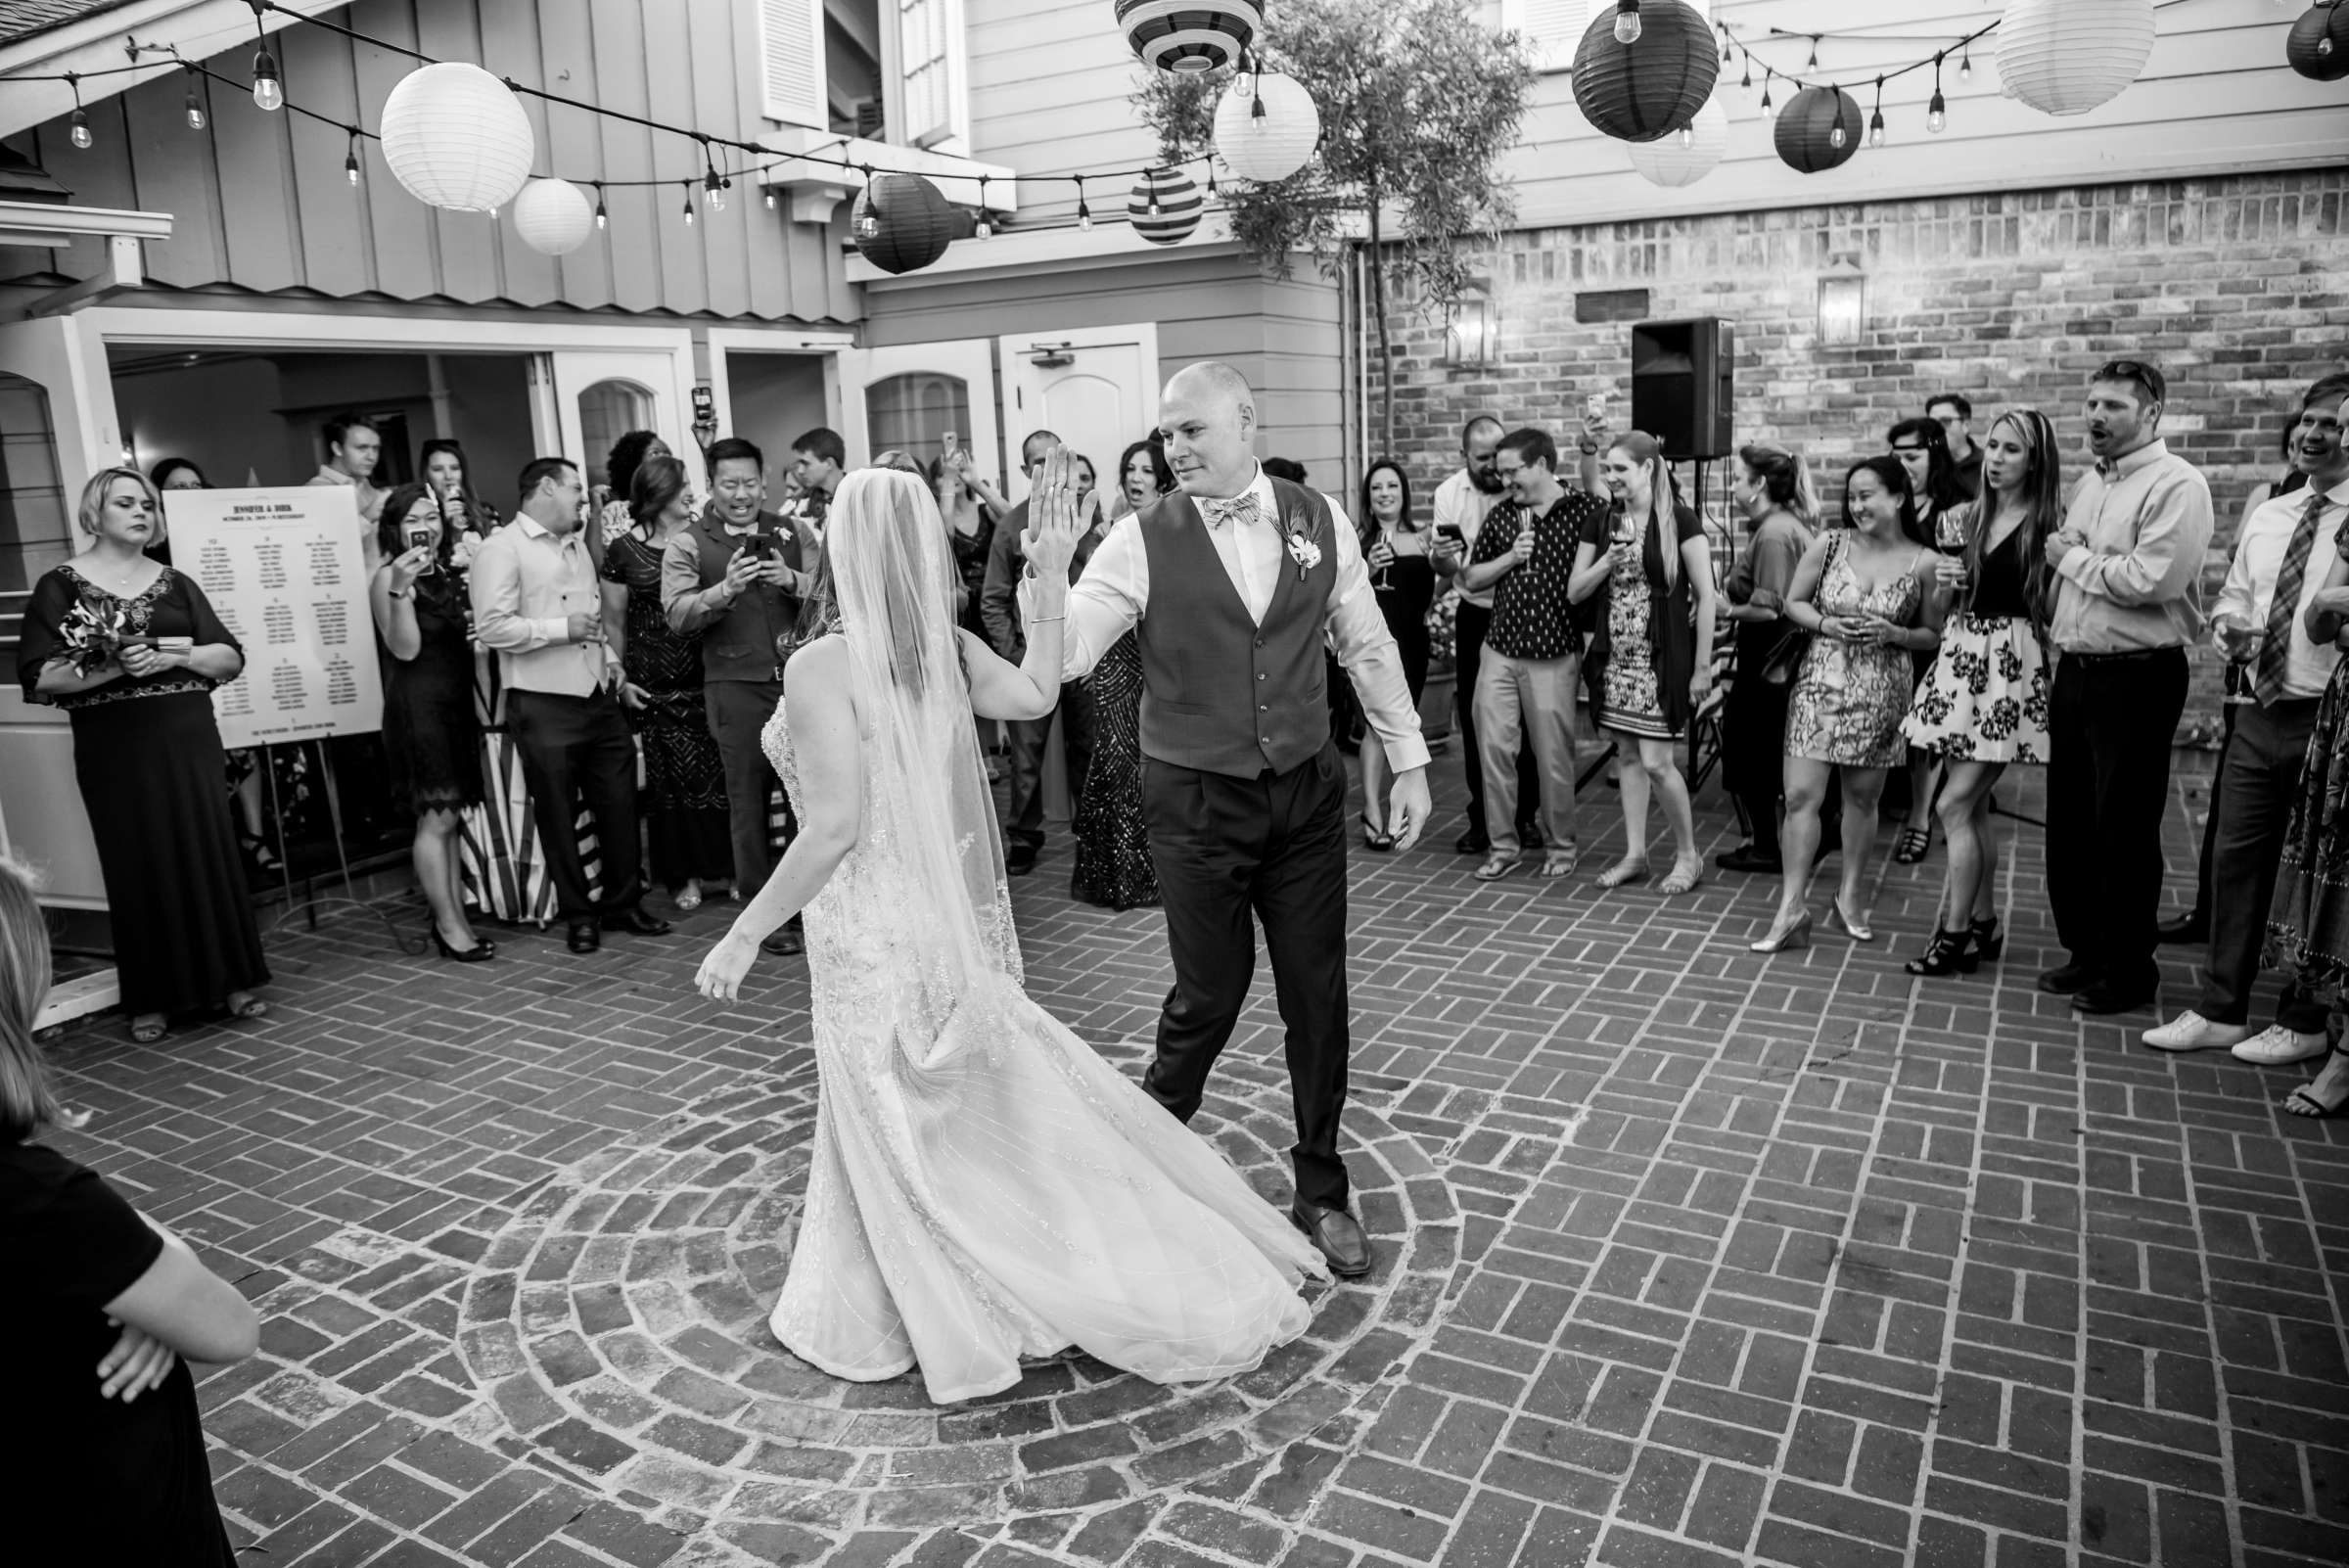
(1533, 650)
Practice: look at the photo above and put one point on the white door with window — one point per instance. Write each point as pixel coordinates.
(908, 398)
(1096, 387)
(598, 397)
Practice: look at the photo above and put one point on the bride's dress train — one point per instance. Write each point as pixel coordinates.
(984, 1186)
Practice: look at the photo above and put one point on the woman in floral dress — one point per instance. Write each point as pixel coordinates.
(1984, 701)
(684, 798)
(1865, 594)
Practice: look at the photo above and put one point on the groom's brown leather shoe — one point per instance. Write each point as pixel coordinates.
(1338, 1237)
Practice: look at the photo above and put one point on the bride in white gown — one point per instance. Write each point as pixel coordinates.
(984, 1186)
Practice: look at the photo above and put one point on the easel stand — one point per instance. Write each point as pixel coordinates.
(334, 810)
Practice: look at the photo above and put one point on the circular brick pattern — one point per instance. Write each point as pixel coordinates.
(619, 1325)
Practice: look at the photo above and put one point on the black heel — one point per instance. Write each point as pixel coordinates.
(479, 953)
(1949, 953)
(1989, 940)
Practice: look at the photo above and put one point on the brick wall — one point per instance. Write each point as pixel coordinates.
(2239, 288)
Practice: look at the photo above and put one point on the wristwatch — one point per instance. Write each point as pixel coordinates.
(399, 593)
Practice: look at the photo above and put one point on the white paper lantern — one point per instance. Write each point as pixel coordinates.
(1672, 162)
(456, 138)
(554, 218)
(2067, 57)
(1275, 145)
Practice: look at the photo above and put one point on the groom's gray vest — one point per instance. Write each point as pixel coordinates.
(1220, 693)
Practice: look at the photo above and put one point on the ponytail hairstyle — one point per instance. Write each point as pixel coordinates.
(1649, 452)
(1784, 478)
(1893, 473)
(2042, 513)
(28, 1104)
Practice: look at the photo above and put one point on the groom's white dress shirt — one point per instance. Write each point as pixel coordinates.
(1113, 594)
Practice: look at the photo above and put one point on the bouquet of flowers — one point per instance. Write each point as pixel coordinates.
(94, 636)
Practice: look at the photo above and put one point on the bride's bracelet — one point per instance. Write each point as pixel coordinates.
(1037, 620)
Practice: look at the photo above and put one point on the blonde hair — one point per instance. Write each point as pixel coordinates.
(1648, 453)
(93, 498)
(27, 1102)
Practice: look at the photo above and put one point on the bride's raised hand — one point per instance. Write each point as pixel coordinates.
(1050, 541)
(721, 972)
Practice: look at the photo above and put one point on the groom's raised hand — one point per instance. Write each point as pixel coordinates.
(1408, 808)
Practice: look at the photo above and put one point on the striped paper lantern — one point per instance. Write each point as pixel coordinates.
(1189, 35)
(456, 138)
(1166, 206)
(2067, 57)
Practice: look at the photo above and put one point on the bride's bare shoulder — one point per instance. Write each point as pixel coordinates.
(825, 660)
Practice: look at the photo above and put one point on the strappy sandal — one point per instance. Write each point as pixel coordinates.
(1684, 878)
(2300, 1102)
(251, 1007)
(1914, 846)
(1561, 862)
(1374, 838)
(1624, 872)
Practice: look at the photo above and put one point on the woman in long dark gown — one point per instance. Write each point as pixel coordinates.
(1404, 579)
(1113, 867)
(131, 650)
(432, 735)
(684, 799)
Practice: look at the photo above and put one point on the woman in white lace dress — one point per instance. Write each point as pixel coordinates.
(984, 1186)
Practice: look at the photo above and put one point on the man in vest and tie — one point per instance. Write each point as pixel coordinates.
(1233, 583)
(736, 575)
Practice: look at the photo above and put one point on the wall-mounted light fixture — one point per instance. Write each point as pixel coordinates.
(1469, 337)
(1842, 304)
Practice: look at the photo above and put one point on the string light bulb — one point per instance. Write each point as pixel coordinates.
(1769, 109)
(1724, 43)
(1628, 27)
(1687, 135)
(984, 229)
(80, 134)
(1875, 119)
(1966, 63)
(770, 198)
(1084, 214)
(689, 203)
(351, 156)
(1836, 134)
(195, 104)
(1748, 82)
(1937, 110)
(713, 192)
(1813, 63)
(603, 219)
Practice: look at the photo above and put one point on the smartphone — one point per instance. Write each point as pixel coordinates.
(1594, 406)
(763, 546)
(948, 443)
(420, 535)
(1450, 532)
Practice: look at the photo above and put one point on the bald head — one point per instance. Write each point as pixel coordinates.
(1207, 414)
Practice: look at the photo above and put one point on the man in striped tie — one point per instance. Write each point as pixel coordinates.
(2259, 625)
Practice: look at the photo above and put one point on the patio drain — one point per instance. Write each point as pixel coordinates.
(619, 1325)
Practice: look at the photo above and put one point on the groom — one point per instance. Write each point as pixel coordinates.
(1232, 583)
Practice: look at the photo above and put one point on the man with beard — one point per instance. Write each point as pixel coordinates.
(1462, 503)
(2127, 561)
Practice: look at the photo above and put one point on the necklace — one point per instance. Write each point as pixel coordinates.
(114, 579)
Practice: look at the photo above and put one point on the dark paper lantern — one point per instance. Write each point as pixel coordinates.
(2317, 46)
(1807, 126)
(1166, 206)
(901, 223)
(1650, 88)
(1189, 35)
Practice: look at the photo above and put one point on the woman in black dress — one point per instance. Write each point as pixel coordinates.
(1946, 513)
(131, 650)
(1773, 491)
(684, 799)
(1396, 550)
(1113, 867)
(431, 734)
(102, 1303)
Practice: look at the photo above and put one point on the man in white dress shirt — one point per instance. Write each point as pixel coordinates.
(2259, 625)
(1231, 584)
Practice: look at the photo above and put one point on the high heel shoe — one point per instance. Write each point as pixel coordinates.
(481, 950)
(1949, 953)
(1376, 838)
(1989, 940)
(1794, 937)
(1857, 931)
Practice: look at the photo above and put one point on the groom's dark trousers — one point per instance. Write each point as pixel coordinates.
(1229, 851)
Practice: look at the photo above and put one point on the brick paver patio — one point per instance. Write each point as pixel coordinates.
(1688, 1256)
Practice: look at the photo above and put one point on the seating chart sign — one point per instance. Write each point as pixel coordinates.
(283, 569)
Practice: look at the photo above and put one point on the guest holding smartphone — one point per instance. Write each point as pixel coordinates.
(106, 1307)
(431, 734)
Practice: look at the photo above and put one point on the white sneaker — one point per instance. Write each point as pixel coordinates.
(2194, 1033)
(2278, 1046)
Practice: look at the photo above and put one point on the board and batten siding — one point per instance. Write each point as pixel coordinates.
(260, 202)
(1282, 334)
(1051, 81)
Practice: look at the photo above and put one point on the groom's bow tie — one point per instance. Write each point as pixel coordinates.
(1241, 509)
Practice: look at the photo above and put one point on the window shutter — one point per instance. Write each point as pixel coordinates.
(930, 53)
(1551, 28)
(791, 47)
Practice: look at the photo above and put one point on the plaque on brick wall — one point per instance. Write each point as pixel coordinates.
(1610, 304)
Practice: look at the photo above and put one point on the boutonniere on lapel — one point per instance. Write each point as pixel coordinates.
(1302, 548)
